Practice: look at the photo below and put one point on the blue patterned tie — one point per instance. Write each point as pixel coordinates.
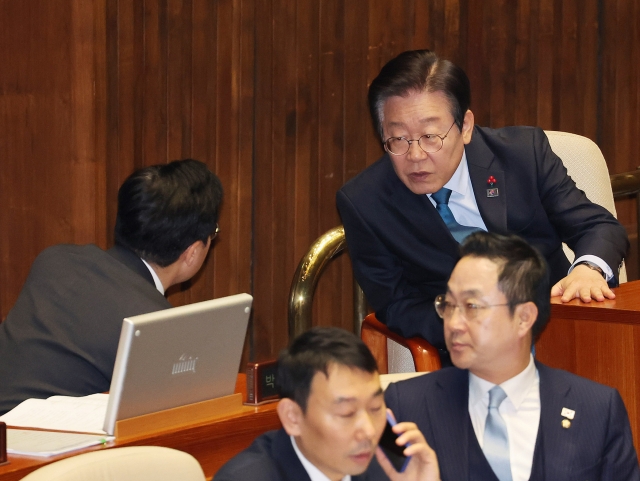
(459, 232)
(496, 440)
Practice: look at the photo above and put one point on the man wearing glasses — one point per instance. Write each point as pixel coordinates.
(441, 178)
(498, 414)
(62, 334)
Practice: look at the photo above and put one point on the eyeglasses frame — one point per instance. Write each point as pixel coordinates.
(440, 301)
(215, 233)
(410, 141)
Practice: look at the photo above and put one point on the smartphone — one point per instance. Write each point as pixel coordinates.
(391, 449)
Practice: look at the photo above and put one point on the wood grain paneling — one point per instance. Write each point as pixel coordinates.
(619, 99)
(271, 95)
(49, 165)
(176, 83)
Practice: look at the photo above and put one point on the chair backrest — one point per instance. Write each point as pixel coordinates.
(136, 463)
(588, 169)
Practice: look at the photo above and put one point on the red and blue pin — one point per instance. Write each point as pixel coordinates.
(492, 191)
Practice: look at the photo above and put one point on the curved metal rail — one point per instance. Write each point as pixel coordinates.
(303, 286)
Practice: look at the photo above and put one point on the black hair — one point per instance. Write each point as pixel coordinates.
(163, 209)
(419, 71)
(313, 352)
(524, 275)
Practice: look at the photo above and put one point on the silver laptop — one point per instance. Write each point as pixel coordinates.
(177, 356)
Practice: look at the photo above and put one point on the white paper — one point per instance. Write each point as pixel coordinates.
(61, 413)
(47, 443)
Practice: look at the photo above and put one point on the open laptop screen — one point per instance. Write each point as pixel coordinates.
(177, 356)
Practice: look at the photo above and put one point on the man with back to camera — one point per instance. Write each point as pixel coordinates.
(443, 177)
(62, 334)
(500, 415)
(333, 413)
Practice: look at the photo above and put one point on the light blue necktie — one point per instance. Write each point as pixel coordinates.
(459, 232)
(496, 440)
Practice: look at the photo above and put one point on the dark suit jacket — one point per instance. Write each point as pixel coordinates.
(62, 334)
(271, 458)
(597, 446)
(403, 253)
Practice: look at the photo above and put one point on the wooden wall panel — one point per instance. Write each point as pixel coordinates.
(266, 322)
(49, 164)
(94, 90)
(330, 304)
(174, 74)
(272, 95)
(619, 100)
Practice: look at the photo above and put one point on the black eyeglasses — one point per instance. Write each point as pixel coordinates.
(429, 143)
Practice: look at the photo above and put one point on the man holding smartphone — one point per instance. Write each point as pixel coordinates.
(333, 415)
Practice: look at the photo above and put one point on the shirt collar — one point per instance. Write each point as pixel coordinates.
(156, 279)
(314, 473)
(459, 181)
(516, 388)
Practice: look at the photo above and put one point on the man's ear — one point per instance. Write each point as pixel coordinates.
(190, 254)
(291, 416)
(467, 126)
(526, 315)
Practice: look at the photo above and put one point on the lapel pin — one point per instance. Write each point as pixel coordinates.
(566, 423)
(492, 191)
(568, 413)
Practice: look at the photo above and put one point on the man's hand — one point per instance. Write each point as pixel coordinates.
(423, 465)
(583, 283)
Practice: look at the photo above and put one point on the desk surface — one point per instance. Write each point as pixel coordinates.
(624, 309)
(212, 444)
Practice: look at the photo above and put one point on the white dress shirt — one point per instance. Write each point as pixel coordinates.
(462, 202)
(156, 279)
(520, 411)
(464, 207)
(314, 473)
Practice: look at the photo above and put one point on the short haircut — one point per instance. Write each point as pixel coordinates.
(419, 71)
(314, 351)
(524, 275)
(163, 209)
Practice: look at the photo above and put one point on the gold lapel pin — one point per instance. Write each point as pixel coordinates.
(566, 423)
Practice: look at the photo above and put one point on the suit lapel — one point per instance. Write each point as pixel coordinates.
(480, 161)
(448, 408)
(557, 444)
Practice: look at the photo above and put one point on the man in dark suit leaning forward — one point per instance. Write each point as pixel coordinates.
(62, 334)
(500, 415)
(333, 413)
(443, 176)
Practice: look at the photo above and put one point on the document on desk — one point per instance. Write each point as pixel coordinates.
(61, 413)
(49, 443)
